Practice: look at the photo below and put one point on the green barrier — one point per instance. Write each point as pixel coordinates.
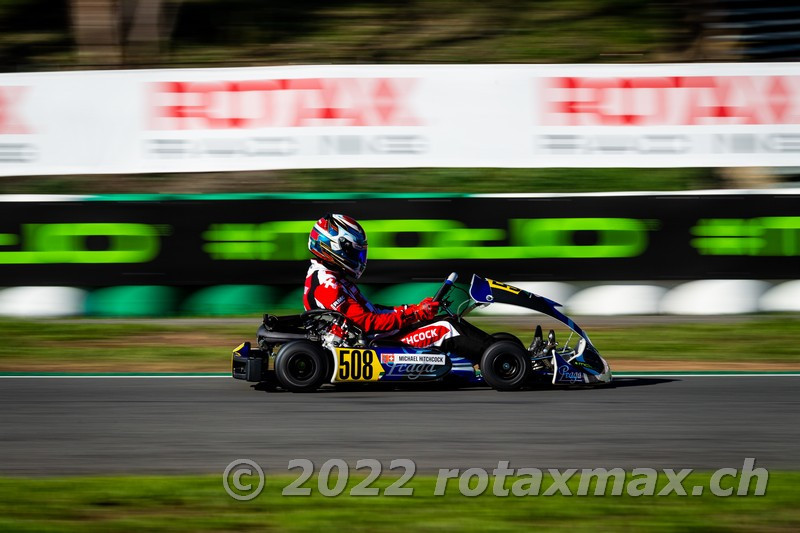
(242, 239)
(406, 293)
(764, 236)
(293, 302)
(224, 300)
(137, 301)
(411, 293)
(287, 240)
(230, 300)
(67, 243)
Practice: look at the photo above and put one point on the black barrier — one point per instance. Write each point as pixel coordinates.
(198, 241)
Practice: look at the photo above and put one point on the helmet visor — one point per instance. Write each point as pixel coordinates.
(361, 256)
(353, 252)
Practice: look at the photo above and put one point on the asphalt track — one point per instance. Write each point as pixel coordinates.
(194, 425)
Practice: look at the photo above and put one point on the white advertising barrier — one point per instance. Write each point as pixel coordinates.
(400, 116)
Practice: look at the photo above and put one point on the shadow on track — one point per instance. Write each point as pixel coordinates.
(618, 383)
(425, 387)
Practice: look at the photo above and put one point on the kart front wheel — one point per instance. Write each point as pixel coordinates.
(506, 365)
(301, 366)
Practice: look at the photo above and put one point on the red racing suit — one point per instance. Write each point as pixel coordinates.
(328, 289)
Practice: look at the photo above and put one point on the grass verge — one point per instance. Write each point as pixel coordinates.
(747, 343)
(199, 503)
(397, 180)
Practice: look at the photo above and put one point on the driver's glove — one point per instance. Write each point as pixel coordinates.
(425, 310)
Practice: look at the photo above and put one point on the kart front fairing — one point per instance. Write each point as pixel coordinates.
(583, 364)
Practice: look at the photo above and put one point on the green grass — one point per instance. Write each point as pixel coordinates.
(494, 180)
(114, 346)
(199, 503)
(110, 346)
(414, 180)
(773, 339)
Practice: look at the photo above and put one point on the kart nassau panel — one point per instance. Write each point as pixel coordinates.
(565, 373)
(487, 291)
(591, 364)
(390, 363)
(576, 370)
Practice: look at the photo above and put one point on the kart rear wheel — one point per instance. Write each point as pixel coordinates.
(503, 336)
(301, 366)
(506, 365)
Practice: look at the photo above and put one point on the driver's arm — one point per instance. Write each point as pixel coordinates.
(388, 319)
(383, 320)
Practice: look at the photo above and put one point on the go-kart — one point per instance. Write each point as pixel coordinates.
(301, 353)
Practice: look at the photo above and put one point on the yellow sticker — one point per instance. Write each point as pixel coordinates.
(355, 364)
(503, 287)
(235, 353)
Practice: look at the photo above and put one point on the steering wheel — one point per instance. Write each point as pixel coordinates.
(445, 288)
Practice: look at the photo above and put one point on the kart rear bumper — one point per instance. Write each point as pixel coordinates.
(250, 364)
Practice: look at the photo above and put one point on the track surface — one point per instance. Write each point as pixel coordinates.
(70, 426)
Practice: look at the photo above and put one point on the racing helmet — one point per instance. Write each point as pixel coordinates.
(340, 242)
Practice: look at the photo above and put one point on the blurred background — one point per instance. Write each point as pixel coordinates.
(54, 35)
(200, 264)
(136, 242)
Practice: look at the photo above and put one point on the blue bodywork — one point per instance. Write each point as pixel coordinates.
(568, 367)
(584, 365)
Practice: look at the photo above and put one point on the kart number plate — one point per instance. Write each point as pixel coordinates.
(503, 287)
(357, 365)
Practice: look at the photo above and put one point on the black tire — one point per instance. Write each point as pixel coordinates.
(503, 336)
(506, 365)
(301, 366)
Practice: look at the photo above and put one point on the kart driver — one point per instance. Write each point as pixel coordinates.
(339, 245)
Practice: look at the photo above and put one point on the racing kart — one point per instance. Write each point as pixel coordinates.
(301, 353)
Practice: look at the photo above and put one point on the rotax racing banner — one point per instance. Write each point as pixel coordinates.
(196, 120)
(262, 239)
